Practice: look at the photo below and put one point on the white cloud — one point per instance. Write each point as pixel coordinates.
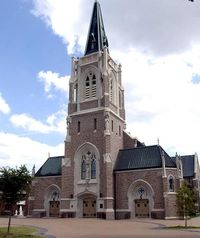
(4, 107)
(64, 19)
(54, 123)
(158, 45)
(160, 27)
(161, 100)
(52, 81)
(16, 150)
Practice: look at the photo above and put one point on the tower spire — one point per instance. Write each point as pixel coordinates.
(96, 36)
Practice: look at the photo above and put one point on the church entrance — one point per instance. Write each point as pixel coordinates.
(54, 208)
(89, 207)
(141, 208)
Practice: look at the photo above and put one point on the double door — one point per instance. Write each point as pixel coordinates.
(142, 208)
(54, 208)
(89, 207)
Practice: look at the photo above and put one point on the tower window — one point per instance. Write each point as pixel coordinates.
(79, 126)
(93, 169)
(111, 90)
(75, 93)
(171, 184)
(83, 169)
(119, 130)
(95, 123)
(90, 86)
(112, 126)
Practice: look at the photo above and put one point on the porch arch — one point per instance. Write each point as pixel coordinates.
(140, 190)
(52, 193)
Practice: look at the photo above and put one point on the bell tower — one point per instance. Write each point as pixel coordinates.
(95, 124)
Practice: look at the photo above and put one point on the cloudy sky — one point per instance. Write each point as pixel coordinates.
(157, 43)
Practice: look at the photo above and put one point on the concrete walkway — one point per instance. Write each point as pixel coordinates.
(95, 228)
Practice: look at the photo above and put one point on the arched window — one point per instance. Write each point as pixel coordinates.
(111, 90)
(171, 183)
(75, 93)
(93, 169)
(90, 86)
(88, 166)
(83, 169)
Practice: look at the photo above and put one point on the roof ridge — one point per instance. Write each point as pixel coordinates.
(140, 147)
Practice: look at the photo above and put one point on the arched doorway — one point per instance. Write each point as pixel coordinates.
(87, 206)
(52, 201)
(140, 199)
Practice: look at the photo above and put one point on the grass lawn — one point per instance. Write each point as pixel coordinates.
(182, 227)
(18, 232)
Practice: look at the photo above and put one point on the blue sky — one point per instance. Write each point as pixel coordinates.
(158, 46)
(28, 47)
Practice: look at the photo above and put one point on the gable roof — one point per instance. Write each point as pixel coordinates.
(188, 162)
(143, 157)
(52, 167)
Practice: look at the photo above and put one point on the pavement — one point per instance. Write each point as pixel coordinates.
(96, 228)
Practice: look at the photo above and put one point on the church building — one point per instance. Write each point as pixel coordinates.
(105, 173)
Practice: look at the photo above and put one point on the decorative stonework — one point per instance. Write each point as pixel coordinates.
(107, 158)
(107, 123)
(66, 162)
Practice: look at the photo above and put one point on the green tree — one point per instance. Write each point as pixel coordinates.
(14, 184)
(185, 200)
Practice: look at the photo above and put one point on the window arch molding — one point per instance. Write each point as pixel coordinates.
(86, 155)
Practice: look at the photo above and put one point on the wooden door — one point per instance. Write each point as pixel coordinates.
(54, 208)
(142, 208)
(89, 207)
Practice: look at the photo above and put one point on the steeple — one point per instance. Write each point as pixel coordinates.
(96, 36)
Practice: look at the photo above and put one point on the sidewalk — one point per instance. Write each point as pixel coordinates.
(95, 228)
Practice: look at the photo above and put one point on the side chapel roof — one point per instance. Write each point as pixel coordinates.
(143, 157)
(52, 167)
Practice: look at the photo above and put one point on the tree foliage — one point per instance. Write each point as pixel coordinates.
(14, 185)
(185, 200)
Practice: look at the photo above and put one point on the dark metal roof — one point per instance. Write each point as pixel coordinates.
(52, 167)
(188, 162)
(143, 157)
(96, 36)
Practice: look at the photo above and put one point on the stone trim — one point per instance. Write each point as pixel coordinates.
(39, 210)
(123, 210)
(67, 210)
(87, 111)
(31, 198)
(171, 218)
(66, 199)
(57, 176)
(158, 210)
(107, 198)
(140, 170)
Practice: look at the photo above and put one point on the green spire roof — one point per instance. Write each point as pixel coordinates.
(96, 36)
